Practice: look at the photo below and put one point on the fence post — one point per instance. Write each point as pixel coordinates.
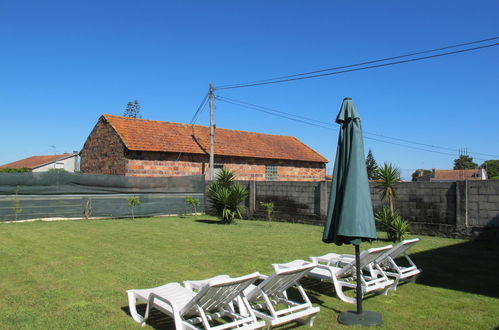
(323, 199)
(252, 198)
(461, 204)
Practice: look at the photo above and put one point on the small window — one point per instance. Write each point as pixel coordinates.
(271, 173)
(59, 165)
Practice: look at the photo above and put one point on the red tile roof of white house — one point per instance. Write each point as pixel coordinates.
(160, 136)
(456, 174)
(36, 161)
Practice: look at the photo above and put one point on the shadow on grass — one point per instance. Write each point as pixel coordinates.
(469, 267)
(211, 222)
(156, 320)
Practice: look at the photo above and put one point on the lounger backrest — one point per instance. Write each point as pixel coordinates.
(366, 257)
(219, 293)
(397, 250)
(281, 280)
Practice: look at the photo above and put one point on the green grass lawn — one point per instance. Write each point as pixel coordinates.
(73, 274)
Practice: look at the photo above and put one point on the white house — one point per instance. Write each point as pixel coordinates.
(67, 162)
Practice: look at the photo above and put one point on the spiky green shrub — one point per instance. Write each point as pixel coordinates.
(226, 196)
(394, 224)
(388, 175)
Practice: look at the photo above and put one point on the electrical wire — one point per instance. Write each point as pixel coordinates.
(298, 76)
(322, 124)
(199, 109)
(369, 62)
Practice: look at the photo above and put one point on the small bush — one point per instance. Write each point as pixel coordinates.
(14, 170)
(132, 202)
(269, 208)
(394, 224)
(194, 202)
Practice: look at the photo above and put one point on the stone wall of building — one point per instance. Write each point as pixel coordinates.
(169, 164)
(103, 152)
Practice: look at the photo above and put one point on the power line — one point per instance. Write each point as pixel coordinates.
(278, 80)
(199, 109)
(369, 62)
(322, 124)
(330, 125)
(262, 109)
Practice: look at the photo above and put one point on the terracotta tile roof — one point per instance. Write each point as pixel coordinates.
(151, 135)
(36, 161)
(457, 175)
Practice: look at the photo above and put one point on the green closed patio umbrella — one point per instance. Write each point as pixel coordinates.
(350, 218)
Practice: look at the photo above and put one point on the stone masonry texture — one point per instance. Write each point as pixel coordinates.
(105, 153)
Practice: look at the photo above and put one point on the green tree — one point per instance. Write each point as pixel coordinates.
(226, 196)
(492, 167)
(133, 201)
(132, 110)
(194, 202)
(420, 172)
(371, 166)
(464, 162)
(388, 175)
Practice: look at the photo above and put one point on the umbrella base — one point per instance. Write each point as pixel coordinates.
(365, 318)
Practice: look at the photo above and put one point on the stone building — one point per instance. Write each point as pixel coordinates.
(137, 147)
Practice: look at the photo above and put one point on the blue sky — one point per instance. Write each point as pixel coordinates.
(64, 63)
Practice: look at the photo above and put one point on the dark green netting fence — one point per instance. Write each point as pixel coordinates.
(69, 195)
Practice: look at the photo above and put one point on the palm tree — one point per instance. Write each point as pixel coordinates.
(388, 175)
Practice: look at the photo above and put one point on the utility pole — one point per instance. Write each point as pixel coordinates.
(212, 136)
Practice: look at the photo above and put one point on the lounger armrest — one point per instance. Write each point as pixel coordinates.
(328, 268)
(153, 296)
(198, 284)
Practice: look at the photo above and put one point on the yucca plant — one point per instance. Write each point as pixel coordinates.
(226, 196)
(394, 224)
(388, 175)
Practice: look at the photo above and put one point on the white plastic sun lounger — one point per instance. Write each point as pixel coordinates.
(344, 277)
(272, 291)
(387, 262)
(397, 271)
(189, 308)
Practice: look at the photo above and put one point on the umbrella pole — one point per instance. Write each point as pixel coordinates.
(359, 286)
(359, 317)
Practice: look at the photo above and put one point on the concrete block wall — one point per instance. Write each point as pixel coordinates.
(452, 209)
(483, 203)
(293, 201)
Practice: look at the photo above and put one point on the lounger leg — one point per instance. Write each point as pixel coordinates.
(308, 321)
(396, 281)
(132, 305)
(414, 278)
(339, 292)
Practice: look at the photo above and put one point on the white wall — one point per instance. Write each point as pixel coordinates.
(68, 164)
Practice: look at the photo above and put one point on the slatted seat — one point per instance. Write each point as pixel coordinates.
(387, 262)
(345, 276)
(189, 309)
(272, 291)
